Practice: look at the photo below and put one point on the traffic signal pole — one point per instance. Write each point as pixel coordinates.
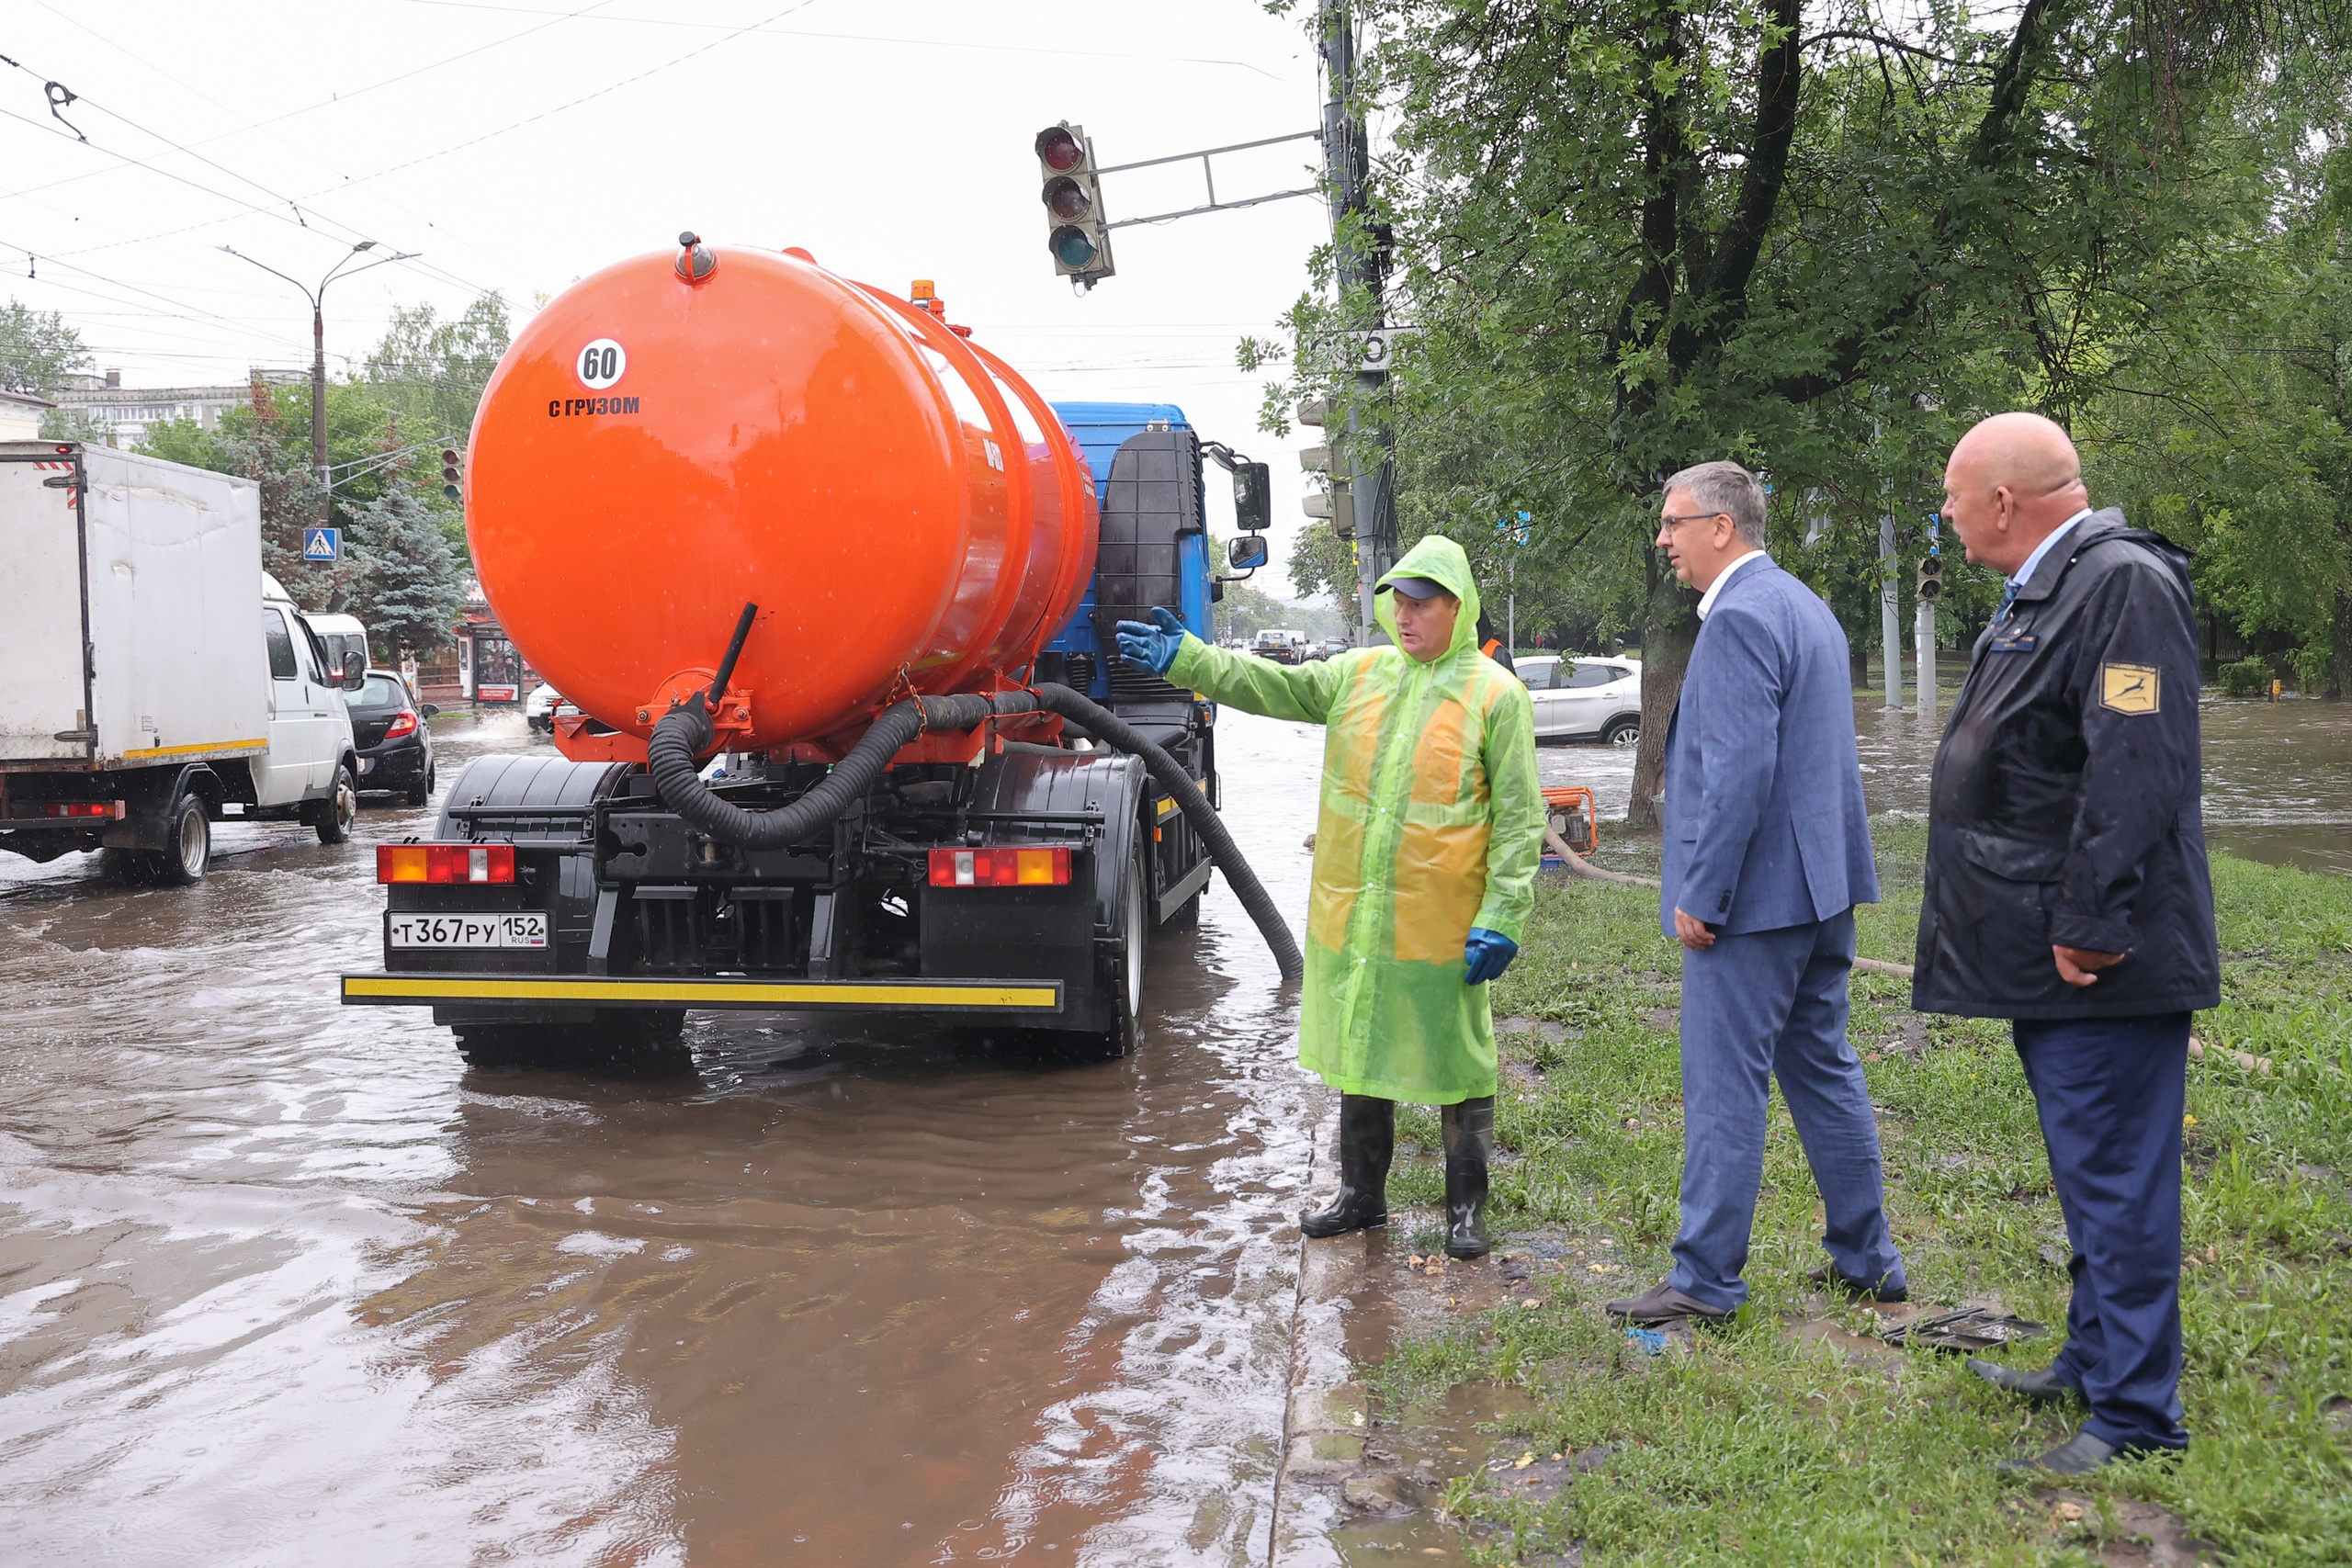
(1347, 176)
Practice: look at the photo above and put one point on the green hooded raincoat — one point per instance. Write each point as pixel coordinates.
(1432, 823)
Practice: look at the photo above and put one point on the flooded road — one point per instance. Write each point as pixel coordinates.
(2278, 776)
(282, 1282)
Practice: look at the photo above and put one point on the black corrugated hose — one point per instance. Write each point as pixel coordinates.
(686, 732)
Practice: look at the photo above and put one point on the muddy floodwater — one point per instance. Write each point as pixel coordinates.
(284, 1282)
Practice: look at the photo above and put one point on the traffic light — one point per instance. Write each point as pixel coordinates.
(452, 474)
(1931, 579)
(1077, 234)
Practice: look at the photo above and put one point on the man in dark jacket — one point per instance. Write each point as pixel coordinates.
(2067, 890)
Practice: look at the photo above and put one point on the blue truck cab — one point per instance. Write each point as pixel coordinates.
(1147, 463)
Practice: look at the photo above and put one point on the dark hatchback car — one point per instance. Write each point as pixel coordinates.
(395, 744)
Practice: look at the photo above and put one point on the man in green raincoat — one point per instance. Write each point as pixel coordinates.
(1430, 830)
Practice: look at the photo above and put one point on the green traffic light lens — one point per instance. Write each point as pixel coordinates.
(1071, 247)
(451, 492)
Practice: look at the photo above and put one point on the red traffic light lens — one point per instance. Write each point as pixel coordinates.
(1071, 247)
(1059, 149)
(1067, 200)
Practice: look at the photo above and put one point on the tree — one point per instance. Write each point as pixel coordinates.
(409, 586)
(1323, 564)
(1643, 233)
(38, 351)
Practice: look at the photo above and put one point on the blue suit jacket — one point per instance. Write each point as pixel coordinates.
(1765, 825)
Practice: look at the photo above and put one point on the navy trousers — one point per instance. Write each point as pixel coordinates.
(2110, 1091)
(1754, 1006)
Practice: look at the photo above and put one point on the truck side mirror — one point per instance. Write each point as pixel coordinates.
(1248, 552)
(354, 670)
(1253, 496)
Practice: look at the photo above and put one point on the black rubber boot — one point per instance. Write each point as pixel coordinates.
(1367, 1138)
(1469, 1145)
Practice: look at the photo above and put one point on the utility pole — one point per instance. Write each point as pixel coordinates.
(1347, 165)
(317, 296)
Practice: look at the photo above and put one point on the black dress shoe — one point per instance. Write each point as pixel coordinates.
(1822, 1274)
(2040, 1385)
(1662, 1303)
(2078, 1455)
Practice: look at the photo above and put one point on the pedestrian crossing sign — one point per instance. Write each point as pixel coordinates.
(321, 544)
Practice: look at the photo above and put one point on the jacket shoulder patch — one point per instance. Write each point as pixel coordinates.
(2130, 688)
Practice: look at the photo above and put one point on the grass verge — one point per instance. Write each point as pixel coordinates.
(1752, 1446)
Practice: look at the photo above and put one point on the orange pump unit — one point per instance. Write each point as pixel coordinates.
(682, 434)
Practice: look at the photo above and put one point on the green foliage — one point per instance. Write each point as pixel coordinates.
(1645, 234)
(410, 588)
(38, 351)
(2247, 678)
(1753, 1446)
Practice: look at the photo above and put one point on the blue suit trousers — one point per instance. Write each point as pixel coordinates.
(2110, 1091)
(1756, 1005)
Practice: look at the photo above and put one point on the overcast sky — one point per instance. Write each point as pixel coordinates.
(521, 144)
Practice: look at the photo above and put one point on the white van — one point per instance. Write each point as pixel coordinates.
(153, 678)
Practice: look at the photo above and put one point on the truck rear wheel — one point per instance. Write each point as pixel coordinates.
(187, 845)
(618, 1042)
(1127, 1029)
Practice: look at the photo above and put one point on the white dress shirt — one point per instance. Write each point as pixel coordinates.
(2024, 574)
(1707, 599)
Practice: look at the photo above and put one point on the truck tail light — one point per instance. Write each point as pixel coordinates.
(403, 723)
(444, 863)
(999, 868)
(112, 810)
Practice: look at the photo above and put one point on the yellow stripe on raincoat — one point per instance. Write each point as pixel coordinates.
(1432, 823)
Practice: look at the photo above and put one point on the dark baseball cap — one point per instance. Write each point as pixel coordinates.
(1415, 588)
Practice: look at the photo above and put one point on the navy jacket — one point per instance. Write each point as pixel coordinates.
(1765, 825)
(2066, 805)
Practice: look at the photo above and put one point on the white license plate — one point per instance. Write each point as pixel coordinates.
(467, 931)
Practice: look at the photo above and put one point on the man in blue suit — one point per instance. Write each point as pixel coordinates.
(1768, 850)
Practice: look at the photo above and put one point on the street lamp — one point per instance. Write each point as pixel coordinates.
(317, 296)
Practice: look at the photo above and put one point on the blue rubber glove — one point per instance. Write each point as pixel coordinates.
(1489, 954)
(1153, 646)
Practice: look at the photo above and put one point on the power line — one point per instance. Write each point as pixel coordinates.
(868, 37)
(588, 97)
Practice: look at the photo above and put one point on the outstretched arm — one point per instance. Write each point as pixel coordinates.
(1302, 692)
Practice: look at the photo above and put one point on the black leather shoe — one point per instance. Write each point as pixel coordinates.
(1662, 1303)
(2078, 1455)
(1469, 1130)
(1823, 1274)
(2040, 1385)
(1367, 1139)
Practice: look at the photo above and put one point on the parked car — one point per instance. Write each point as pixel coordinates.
(1331, 648)
(394, 737)
(1584, 699)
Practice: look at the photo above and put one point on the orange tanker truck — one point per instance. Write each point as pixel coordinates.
(832, 588)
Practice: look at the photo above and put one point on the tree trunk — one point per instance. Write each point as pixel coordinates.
(1670, 626)
(2340, 659)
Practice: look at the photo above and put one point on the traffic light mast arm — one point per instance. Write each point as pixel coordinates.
(1208, 174)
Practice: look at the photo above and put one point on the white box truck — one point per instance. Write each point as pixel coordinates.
(152, 680)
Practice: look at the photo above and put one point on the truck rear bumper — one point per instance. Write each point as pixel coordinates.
(532, 992)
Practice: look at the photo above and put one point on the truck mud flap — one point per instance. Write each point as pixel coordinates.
(1038, 999)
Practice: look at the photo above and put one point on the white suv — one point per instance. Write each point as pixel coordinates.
(1584, 699)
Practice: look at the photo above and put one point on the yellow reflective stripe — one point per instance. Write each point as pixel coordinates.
(199, 746)
(1168, 807)
(690, 993)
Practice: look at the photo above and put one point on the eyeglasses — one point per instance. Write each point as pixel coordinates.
(1672, 521)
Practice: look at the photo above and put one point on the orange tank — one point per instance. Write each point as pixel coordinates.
(685, 433)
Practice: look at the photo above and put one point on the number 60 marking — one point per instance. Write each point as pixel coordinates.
(600, 364)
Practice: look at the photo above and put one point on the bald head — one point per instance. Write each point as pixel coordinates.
(2010, 482)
